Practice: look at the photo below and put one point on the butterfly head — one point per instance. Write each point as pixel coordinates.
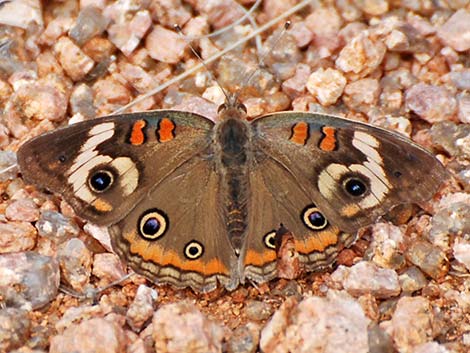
(232, 107)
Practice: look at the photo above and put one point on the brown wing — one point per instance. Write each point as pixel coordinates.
(103, 167)
(323, 178)
(177, 234)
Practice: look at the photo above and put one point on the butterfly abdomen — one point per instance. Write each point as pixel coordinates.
(233, 138)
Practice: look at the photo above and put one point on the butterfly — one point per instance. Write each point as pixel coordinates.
(195, 203)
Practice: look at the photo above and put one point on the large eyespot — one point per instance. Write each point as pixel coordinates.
(270, 240)
(313, 218)
(100, 180)
(355, 187)
(153, 224)
(193, 250)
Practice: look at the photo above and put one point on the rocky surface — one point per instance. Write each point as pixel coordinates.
(402, 287)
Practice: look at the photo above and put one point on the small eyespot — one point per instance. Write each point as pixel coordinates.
(355, 187)
(153, 224)
(62, 158)
(270, 240)
(397, 174)
(193, 250)
(313, 218)
(100, 180)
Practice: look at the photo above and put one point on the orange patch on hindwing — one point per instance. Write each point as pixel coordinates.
(166, 130)
(259, 259)
(328, 140)
(156, 254)
(300, 133)
(319, 242)
(137, 134)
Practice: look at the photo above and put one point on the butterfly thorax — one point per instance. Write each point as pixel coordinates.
(233, 139)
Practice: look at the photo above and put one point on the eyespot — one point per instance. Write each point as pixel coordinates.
(313, 218)
(153, 224)
(397, 174)
(62, 158)
(193, 250)
(270, 240)
(100, 180)
(355, 187)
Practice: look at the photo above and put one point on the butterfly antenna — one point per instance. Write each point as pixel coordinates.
(214, 57)
(196, 54)
(247, 15)
(250, 76)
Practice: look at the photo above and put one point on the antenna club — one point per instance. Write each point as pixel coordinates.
(177, 28)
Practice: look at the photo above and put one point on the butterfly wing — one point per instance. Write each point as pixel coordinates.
(151, 178)
(103, 167)
(323, 178)
(178, 235)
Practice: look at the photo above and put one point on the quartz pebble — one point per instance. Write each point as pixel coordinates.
(165, 45)
(456, 31)
(181, 327)
(366, 277)
(75, 263)
(454, 138)
(16, 237)
(461, 251)
(40, 100)
(244, 339)
(387, 242)
(21, 13)
(412, 280)
(362, 94)
(431, 103)
(141, 308)
(326, 85)
(428, 258)
(338, 321)
(361, 56)
(73, 60)
(452, 220)
(56, 227)
(8, 166)
(101, 234)
(108, 268)
(127, 34)
(98, 335)
(463, 103)
(295, 86)
(81, 101)
(430, 347)
(28, 280)
(15, 327)
(90, 22)
(257, 311)
(22, 210)
(411, 323)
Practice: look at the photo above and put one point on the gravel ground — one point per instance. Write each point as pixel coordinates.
(403, 65)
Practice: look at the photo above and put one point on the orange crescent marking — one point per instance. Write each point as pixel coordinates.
(318, 242)
(102, 206)
(300, 133)
(259, 259)
(137, 133)
(166, 130)
(328, 142)
(165, 257)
